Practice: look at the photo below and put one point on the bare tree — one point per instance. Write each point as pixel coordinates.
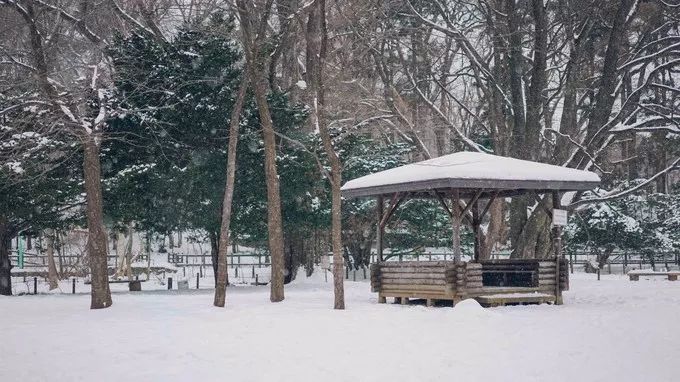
(222, 277)
(72, 77)
(316, 37)
(253, 30)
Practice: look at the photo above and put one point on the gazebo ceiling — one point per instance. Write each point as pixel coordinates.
(472, 172)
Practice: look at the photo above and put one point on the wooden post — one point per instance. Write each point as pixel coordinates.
(476, 229)
(73, 286)
(455, 210)
(379, 235)
(557, 244)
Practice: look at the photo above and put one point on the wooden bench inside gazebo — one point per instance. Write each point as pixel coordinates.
(465, 184)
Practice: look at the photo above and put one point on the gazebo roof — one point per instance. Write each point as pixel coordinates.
(471, 172)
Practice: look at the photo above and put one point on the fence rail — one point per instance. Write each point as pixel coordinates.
(575, 259)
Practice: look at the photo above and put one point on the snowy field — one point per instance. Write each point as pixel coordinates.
(609, 330)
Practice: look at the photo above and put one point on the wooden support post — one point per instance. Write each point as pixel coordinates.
(379, 235)
(381, 299)
(456, 215)
(404, 301)
(476, 229)
(430, 302)
(557, 244)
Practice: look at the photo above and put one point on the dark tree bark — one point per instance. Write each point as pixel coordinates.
(255, 63)
(214, 252)
(606, 95)
(316, 53)
(535, 99)
(97, 243)
(222, 274)
(52, 275)
(5, 263)
(91, 138)
(518, 205)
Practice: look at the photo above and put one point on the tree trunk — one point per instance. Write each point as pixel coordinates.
(5, 263)
(606, 95)
(120, 253)
(214, 253)
(52, 275)
(274, 219)
(534, 241)
(222, 276)
(535, 101)
(316, 53)
(494, 233)
(97, 242)
(255, 62)
(128, 252)
(60, 253)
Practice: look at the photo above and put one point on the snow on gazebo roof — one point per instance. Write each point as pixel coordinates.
(472, 171)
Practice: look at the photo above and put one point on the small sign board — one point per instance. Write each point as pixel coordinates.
(325, 262)
(559, 217)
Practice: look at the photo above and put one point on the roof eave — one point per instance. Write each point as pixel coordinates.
(471, 184)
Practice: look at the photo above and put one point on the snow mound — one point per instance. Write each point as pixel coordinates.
(469, 305)
(469, 309)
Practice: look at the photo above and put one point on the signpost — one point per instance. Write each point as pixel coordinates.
(559, 218)
(20, 252)
(326, 265)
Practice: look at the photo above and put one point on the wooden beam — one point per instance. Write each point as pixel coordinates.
(488, 204)
(396, 201)
(476, 229)
(557, 244)
(381, 230)
(467, 216)
(443, 202)
(455, 200)
(472, 201)
(542, 205)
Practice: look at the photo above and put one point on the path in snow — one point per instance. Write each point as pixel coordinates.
(611, 330)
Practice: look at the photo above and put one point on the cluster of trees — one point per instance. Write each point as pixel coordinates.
(241, 119)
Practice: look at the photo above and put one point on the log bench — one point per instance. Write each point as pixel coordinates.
(635, 276)
(488, 301)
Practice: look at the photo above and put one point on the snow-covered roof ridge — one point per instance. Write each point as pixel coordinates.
(472, 170)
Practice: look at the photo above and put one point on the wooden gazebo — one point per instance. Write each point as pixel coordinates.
(471, 181)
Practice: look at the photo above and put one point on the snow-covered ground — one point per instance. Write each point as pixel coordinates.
(608, 330)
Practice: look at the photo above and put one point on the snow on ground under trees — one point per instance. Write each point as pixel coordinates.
(609, 330)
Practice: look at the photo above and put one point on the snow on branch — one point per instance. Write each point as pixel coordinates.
(617, 195)
(79, 24)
